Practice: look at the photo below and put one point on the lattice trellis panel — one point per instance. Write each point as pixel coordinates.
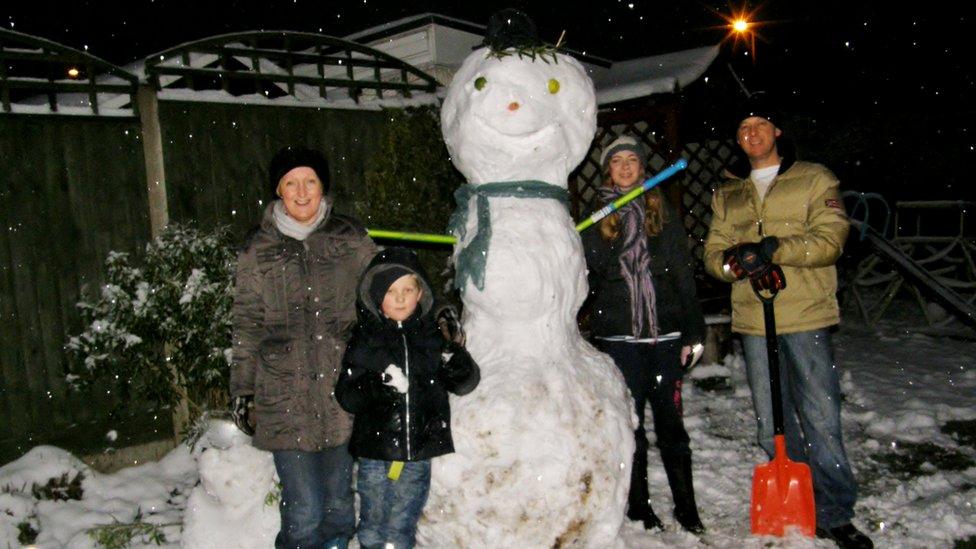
(706, 162)
(690, 191)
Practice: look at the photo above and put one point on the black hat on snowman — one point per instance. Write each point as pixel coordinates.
(511, 28)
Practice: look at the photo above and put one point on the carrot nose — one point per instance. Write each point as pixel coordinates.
(513, 106)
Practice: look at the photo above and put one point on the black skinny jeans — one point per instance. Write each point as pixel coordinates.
(653, 374)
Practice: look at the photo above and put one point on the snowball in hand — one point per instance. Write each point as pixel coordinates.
(394, 378)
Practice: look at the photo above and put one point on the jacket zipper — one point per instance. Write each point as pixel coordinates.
(759, 203)
(406, 373)
(762, 202)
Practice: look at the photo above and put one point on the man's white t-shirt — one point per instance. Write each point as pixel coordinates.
(763, 178)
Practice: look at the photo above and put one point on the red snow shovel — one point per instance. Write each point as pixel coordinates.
(782, 490)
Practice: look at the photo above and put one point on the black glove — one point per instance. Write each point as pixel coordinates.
(752, 258)
(241, 413)
(458, 371)
(771, 279)
(450, 324)
(449, 366)
(378, 389)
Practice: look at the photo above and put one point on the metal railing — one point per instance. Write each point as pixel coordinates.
(931, 236)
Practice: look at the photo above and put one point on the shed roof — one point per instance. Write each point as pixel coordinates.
(439, 44)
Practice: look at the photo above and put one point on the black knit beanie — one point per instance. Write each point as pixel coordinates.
(292, 157)
(759, 104)
(383, 280)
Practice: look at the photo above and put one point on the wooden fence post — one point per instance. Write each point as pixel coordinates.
(152, 147)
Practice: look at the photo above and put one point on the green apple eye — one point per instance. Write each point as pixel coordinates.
(480, 82)
(553, 85)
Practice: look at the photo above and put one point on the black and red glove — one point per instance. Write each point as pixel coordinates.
(772, 279)
(750, 259)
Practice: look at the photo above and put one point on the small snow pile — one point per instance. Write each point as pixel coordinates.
(235, 504)
(38, 466)
(52, 499)
(42, 470)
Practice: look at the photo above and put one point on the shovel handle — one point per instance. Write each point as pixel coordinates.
(772, 356)
(762, 297)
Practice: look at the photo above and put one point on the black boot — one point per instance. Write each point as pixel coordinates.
(638, 500)
(678, 469)
(846, 536)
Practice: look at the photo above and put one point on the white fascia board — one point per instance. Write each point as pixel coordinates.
(452, 46)
(649, 75)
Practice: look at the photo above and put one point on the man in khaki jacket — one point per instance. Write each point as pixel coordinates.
(784, 219)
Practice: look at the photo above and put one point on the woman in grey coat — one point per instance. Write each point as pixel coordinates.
(294, 309)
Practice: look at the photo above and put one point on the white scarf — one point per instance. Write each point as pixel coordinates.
(290, 227)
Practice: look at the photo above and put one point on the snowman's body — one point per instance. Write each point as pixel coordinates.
(544, 444)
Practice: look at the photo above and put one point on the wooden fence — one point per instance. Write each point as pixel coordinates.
(73, 188)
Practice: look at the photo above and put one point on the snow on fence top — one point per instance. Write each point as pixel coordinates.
(288, 67)
(40, 76)
(263, 67)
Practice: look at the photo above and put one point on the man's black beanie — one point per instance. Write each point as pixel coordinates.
(759, 104)
(292, 157)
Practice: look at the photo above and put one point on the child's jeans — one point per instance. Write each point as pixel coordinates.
(388, 509)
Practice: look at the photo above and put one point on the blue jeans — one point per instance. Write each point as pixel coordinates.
(316, 497)
(811, 416)
(389, 510)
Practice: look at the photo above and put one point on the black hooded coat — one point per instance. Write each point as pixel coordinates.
(389, 425)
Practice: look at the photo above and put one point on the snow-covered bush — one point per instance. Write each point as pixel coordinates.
(161, 328)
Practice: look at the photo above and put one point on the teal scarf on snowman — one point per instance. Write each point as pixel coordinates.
(472, 258)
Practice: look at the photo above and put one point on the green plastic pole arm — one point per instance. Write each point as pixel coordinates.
(597, 216)
(414, 237)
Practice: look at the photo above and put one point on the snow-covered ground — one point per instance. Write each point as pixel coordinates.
(910, 425)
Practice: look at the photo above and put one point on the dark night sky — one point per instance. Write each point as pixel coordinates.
(888, 90)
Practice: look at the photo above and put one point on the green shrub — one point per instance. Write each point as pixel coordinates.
(161, 330)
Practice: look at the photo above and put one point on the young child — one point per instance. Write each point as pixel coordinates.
(397, 371)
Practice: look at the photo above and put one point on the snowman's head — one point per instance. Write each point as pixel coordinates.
(511, 117)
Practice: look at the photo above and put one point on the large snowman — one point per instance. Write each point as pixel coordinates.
(544, 444)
